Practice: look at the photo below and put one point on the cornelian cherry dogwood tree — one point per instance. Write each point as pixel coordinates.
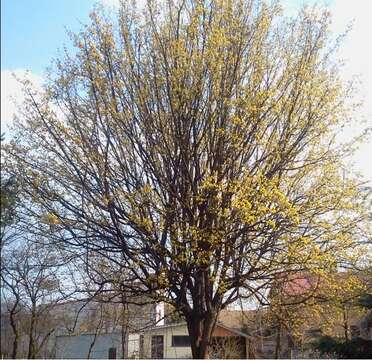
(195, 143)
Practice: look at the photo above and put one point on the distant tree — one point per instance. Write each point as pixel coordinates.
(195, 147)
(306, 307)
(30, 290)
(8, 205)
(365, 301)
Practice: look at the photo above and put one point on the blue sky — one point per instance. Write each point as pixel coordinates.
(32, 31)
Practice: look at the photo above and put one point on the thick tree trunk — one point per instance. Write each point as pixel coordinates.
(200, 331)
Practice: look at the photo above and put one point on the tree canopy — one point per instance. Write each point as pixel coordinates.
(195, 145)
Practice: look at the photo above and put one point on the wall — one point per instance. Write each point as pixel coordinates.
(77, 347)
(133, 346)
(169, 350)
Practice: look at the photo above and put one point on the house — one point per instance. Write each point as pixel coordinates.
(100, 329)
(159, 340)
(172, 341)
(93, 346)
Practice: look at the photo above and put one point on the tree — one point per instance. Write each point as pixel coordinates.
(365, 301)
(357, 348)
(346, 348)
(9, 200)
(30, 290)
(195, 147)
(306, 306)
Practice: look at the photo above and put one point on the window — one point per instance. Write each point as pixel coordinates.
(157, 347)
(141, 346)
(180, 341)
(112, 353)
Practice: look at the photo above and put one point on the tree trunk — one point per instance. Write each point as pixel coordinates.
(15, 346)
(13, 323)
(124, 327)
(278, 344)
(96, 332)
(44, 341)
(200, 332)
(31, 345)
(91, 345)
(15, 331)
(346, 324)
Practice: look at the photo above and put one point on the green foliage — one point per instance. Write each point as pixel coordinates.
(365, 301)
(357, 348)
(8, 204)
(9, 199)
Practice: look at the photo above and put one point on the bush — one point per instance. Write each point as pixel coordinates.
(357, 348)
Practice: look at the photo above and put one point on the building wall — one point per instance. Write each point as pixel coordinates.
(220, 335)
(169, 350)
(77, 347)
(133, 346)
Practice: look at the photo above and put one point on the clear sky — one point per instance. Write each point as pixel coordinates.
(33, 30)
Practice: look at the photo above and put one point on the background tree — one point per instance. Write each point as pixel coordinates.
(9, 200)
(307, 306)
(30, 290)
(199, 143)
(346, 348)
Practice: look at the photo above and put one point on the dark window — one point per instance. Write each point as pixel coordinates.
(180, 341)
(157, 347)
(141, 347)
(112, 353)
